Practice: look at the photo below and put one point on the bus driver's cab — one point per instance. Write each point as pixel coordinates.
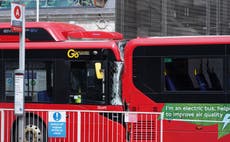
(94, 78)
(87, 83)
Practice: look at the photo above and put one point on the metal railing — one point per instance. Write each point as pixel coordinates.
(83, 126)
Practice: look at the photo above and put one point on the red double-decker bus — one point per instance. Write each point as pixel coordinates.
(186, 78)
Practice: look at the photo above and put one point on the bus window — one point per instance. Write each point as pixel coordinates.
(228, 74)
(77, 81)
(77, 76)
(181, 73)
(53, 77)
(35, 82)
(193, 74)
(147, 80)
(86, 88)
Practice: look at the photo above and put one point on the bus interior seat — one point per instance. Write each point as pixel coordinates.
(215, 82)
(178, 81)
(169, 84)
(200, 78)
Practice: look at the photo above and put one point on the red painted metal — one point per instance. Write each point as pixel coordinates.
(174, 131)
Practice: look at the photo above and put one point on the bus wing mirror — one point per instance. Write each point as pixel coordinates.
(99, 71)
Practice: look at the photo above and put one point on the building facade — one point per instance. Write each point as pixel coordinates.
(172, 17)
(91, 14)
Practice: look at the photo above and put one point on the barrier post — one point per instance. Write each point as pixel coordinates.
(79, 126)
(2, 125)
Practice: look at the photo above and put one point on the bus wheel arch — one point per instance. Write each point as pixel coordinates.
(34, 129)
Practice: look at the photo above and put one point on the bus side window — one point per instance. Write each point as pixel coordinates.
(192, 74)
(208, 73)
(176, 74)
(36, 82)
(200, 78)
(214, 79)
(169, 84)
(228, 74)
(1, 80)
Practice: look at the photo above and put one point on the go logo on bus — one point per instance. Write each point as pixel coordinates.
(72, 53)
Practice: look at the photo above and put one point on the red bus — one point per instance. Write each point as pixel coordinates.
(66, 68)
(186, 78)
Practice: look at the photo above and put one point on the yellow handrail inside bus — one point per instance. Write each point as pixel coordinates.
(99, 72)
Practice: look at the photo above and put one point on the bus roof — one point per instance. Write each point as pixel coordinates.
(54, 31)
(57, 30)
(179, 40)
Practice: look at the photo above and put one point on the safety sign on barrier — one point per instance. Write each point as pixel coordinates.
(57, 124)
